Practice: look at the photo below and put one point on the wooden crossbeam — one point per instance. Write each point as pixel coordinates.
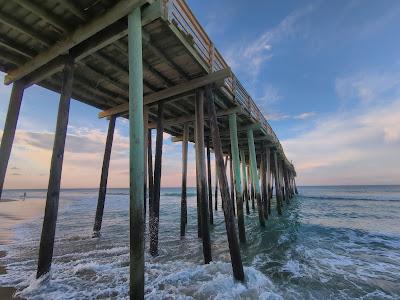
(171, 92)
(120, 10)
(191, 118)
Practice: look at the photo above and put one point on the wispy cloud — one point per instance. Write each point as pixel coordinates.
(276, 116)
(305, 116)
(358, 146)
(368, 86)
(250, 58)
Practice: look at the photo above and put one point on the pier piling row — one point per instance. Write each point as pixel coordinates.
(149, 61)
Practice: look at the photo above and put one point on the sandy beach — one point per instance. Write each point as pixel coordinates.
(12, 213)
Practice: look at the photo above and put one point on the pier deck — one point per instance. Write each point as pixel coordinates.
(152, 62)
(176, 50)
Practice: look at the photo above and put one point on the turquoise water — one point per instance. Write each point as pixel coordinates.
(331, 243)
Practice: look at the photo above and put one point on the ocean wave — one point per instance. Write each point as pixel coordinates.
(178, 194)
(349, 198)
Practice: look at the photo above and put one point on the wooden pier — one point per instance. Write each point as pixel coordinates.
(149, 61)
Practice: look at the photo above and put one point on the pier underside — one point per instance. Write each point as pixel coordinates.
(149, 61)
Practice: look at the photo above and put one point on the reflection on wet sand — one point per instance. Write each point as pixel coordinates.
(12, 213)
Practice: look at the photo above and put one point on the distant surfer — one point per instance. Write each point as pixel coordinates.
(24, 196)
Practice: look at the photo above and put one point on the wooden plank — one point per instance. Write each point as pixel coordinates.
(171, 92)
(121, 9)
(53, 191)
(234, 249)
(10, 126)
(103, 179)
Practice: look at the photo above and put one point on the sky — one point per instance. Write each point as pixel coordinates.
(326, 74)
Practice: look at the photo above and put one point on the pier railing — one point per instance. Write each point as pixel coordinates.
(179, 14)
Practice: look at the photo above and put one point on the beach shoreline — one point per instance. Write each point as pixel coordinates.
(13, 213)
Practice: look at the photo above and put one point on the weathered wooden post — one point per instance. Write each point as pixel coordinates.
(210, 205)
(155, 211)
(216, 188)
(136, 155)
(234, 248)
(145, 150)
(295, 187)
(104, 178)
(286, 180)
(9, 128)
(198, 201)
(250, 176)
(263, 177)
(53, 190)
(184, 178)
(277, 184)
(150, 168)
(254, 176)
(238, 181)
(245, 183)
(268, 178)
(232, 184)
(201, 175)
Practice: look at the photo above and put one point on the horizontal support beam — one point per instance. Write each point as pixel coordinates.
(120, 10)
(191, 118)
(171, 92)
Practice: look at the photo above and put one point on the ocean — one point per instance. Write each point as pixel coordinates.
(331, 243)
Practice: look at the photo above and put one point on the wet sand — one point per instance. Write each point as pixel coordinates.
(12, 213)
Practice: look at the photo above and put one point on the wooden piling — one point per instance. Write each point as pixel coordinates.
(252, 195)
(216, 188)
(150, 173)
(53, 191)
(234, 248)
(145, 150)
(136, 155)
(254, 175)
(268, 178)
(277, 184)
(201, 175)
(184, 179)
(245, 182)
(10, 126)
(104, 178)
(155, 212)
(210, 204)
(263, 179)
(238, 182)
(286, 181)
(232, 184)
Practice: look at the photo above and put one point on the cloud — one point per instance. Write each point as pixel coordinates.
(305, 116)
(251, 58)
(358, 146)
(367, 86)
(278, 116)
